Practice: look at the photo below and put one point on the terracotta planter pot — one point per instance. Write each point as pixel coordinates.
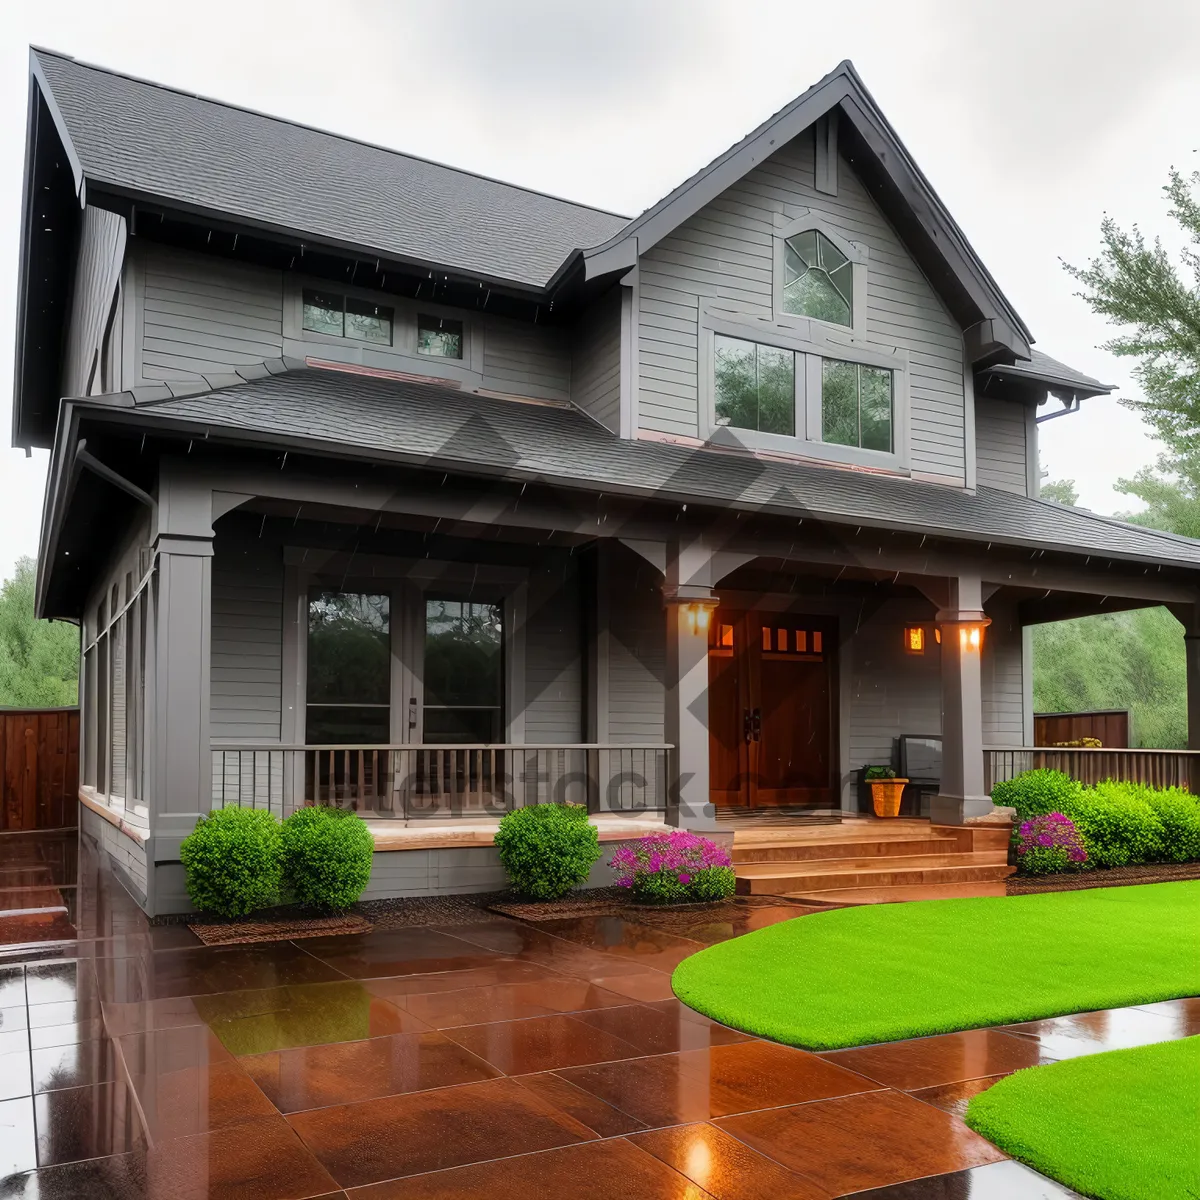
(885, 795)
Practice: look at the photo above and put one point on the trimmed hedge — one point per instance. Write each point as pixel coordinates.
(327, 855)
(547, 849)
(1036, 793)
(233, 861)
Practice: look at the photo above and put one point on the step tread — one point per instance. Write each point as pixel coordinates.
(903, 892)
(810, 882)
(853, 866)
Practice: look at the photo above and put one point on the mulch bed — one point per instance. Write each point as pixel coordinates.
(238, 933)
(401, 912)
(1018, 885)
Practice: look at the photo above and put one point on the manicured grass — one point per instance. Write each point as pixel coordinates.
(1124, 1125)
(887, 971)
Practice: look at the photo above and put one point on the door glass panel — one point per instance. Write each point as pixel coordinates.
(464, 671)
(349, 669)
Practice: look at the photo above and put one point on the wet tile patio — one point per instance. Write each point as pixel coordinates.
(494, 1059)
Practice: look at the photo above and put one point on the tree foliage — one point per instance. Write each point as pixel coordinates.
(1062, 490)
(39, 660)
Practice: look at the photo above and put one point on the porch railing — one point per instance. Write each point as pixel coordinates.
(432, 781)
(1156, 768)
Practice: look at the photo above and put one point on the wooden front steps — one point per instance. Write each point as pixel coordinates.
(867, 862)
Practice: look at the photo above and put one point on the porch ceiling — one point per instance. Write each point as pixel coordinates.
(385, 420)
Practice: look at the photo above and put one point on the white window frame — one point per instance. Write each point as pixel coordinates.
(856, 252)
(811, 352)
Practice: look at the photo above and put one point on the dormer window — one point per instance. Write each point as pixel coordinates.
(818, 279)
(347, 316)
(439, 337)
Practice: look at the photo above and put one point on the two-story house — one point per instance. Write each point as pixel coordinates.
(378, 482)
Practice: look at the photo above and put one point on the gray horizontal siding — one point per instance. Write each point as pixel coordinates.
(1000, 445)
(526, 360)
(725, 253)
(553, 658)
(637, 650)
(1003, 675)
(201, 315)
(97, 274)
(247, 634)
(596, 361)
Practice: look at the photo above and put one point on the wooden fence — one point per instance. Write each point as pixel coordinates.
(39, 768)
(1157, 768)
(1110, 725)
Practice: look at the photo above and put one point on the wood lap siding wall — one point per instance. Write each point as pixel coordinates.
(724, 254)
(97, 275)
(553, 658)
(596, 361)
(1001, 449)
(39, 768)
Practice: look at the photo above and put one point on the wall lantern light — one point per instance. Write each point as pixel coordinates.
(697, 614)
(914, 639)
(970, 631)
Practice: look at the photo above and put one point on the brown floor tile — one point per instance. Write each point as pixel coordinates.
(199, 1099)
(612, 1170)
(1094, 1032)
(44, 1037)
(998, 1181)
(16, 1077)
(349, 1072)
(138, 1017)
(829, 1143)
(541, 1044)
(508, 1002)
(117, 1177)
(726, 1168)
(646, 986)
(722, 928)
(1183, 1014)
(954, 1097)
(660, 1030)
(396, 952)
(261, 1159)
(73, 1065)
(18, 1138)
(60, 982)
(593, 1112)
(624, 938)
(161, 1051)
(86, 1122)
(946, 1058)
(65, 1012)
(671, 1089)
(431, 1131)
(499, 971)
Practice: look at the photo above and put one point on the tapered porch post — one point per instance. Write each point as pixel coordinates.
(689, 601)
(962, 624)
(1189, 615)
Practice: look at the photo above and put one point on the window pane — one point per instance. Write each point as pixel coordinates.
(347, 725)
(368, 322)
(805, 245)
(818, 279)
(349, 655)
(439, 337)
(464, 671)
(323, 312)
(876, 387)
(755, 386)
(814, 295)
(831, 256)
(839, 403)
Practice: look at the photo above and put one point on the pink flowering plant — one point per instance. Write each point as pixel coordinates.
(1048, 844)
(674, 868)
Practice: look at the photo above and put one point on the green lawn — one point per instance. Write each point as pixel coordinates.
(886, 971)
(1124, 1125)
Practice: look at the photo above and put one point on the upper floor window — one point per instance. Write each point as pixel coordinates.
(856, 405)
(439, 337)
(818, 279)
(347, 316)
(755, 386)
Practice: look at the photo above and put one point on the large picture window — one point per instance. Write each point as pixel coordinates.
(856, 405)
(755, 386)
(464, 671)
(349, 669)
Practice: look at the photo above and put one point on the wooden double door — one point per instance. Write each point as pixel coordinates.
(772, 728)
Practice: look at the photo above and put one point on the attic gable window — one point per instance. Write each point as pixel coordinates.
(351, 317)
(818, 279)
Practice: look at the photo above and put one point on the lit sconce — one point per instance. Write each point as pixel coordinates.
(914, 639)
(970, 636)
(698, 614)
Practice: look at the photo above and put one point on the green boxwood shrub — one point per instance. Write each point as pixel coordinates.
(233, 861)
(326, 857)
(547, 849)
(1118, 826)
(1036, 793)
(1179, 812)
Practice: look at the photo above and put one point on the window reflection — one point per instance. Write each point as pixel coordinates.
(464, 653)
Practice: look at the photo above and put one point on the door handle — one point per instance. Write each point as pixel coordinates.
(756, 724)
(747, 725)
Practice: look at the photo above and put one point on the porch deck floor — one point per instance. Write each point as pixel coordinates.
(494, 1059)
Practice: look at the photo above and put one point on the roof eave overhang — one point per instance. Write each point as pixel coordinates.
(1067, 388)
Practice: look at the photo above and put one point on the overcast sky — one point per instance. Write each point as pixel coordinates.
(1031, 119)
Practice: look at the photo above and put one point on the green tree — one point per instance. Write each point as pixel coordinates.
(1062, 490)
(39, 660)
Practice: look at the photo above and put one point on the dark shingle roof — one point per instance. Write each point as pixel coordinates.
(1041, 368)
(446, 428)
(145, 138)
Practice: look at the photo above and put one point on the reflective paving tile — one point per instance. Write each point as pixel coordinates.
(506, 1002)
(1184, 1015)
(353, 1071)
(947, 1058)
(593, 1112)
(261, 1159)
(430, 1131)
(612, 1170)
(118, 1177)
(954, 1097)
(726, 1168)
(15, 1073)
(670, 1089)
(60, 982)
(18, 1140)
(646, 986)
(541, 1044)
(661, 1030)
(12, 986)
(396, 952)
(829, 1144)
(199, 1099)
(498, 971)
(73, 1065)
(160, 1051)
(625, 939)
(1091, 1033)
(15, 1017)
(999, 1181)
(43, 1037)
(85, 1122)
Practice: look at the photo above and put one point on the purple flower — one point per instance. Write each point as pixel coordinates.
(684, 877)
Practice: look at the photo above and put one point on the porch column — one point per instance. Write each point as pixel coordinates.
(689, 600)
(962, 625)
(1189, 615)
